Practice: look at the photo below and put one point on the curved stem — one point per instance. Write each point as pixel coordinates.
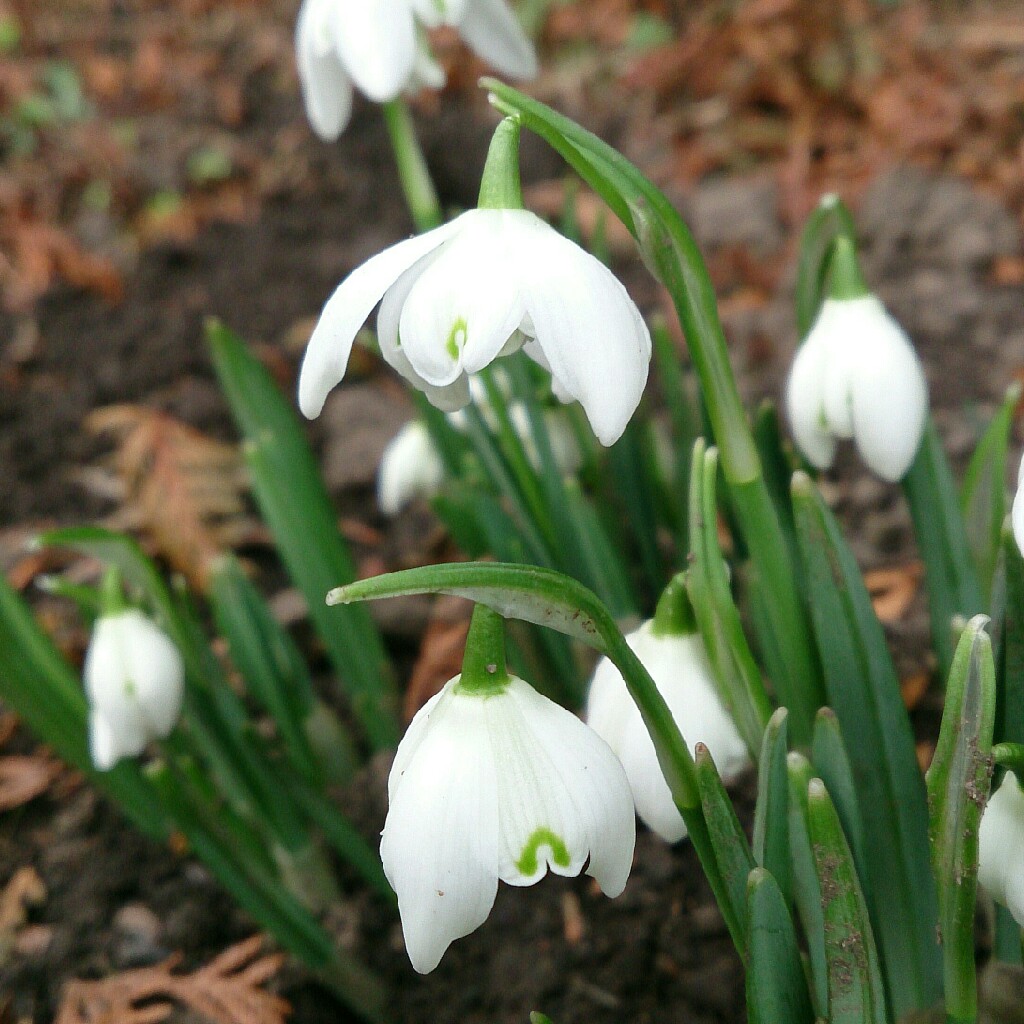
(418, 186)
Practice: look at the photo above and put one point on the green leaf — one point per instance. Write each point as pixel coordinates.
(983, 497)
(862, 687)
(832, 765)
(771, 814)
(806, 888)
(731, 850)
(776, 984)
(298, 510)
(958, 784)
(736, 673)
(855, 991)
(274, 671)
(950, 576)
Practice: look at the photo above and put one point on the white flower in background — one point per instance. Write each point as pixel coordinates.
(1017, 511)
(378, 46)
(857, 375)
(679, 666)
(500, 785)
(1001, 847)
(134, 679)
(411, 467)
(488, 283)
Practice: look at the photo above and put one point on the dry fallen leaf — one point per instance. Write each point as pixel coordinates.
(893, 590)
(913, 688)
(25, 889)
(441, 651)
(23, 777)
(228, 990)
(183, 488)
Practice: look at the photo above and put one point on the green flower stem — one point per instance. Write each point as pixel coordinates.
(671, 253)
(500, 188)
(112, 600)
(418, 186)
(483, 665)
(674, 615)
(831, 221)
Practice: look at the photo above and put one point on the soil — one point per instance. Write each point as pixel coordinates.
(933, 246)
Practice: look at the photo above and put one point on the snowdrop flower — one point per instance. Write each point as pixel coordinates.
(411, 467)
(1017, 511)
(678, 664)
(493, 781)
(134, 678)
(1001, 847)
(492, 281)
(378, 46)
(857, 376)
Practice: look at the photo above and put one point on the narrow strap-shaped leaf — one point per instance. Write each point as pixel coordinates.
(729, 842)
(855, 991)
(274, 671)
(958, 783)
(292, 499)
(862, 688)
(771, 814)
(832, 766)
(950, 576)
(776, 983)
(806, 887)
(983, 496)
(736, 673)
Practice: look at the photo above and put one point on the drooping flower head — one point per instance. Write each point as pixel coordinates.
(857, 376)
(675, 657)
(493, 781)
(411, 466)
(1001, 847)
(379, 46)
(134, 679)
(1017, 510)
(492, 281)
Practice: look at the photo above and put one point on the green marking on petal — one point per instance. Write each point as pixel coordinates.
(456, 337)
(527, 863)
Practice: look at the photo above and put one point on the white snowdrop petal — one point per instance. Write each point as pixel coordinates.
(326, 89)
(805, 407)
(103, 746)
(890, 403)
(346, 311)
(462, 309)
(376, 40)
(588, 327)
(492, 31)
(1001, 846)
(411, 467)
(1017, 511)
(653, 798)
(588, 794)
(438, 846)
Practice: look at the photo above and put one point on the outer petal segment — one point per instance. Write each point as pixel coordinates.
(376, 40)
(346, 311)
(588, 327)
(438, 844)
(493, 31)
